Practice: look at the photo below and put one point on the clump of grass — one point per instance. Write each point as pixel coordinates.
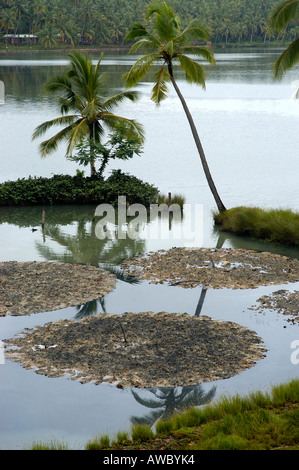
(51, 445)
(142, 433)
(98, 443)
(122, 437)
(277, 226)
(164, 427)
(174, 199)
(285, 394)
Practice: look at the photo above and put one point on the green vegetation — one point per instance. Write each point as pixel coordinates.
(64, 189)
(82, 92)
(258, 421)
(172, 199)
(51, 445)
(166, 43)
(275, 225)
(285, 14)
(102, 22)
(120, 145)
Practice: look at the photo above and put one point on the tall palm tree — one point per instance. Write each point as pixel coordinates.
(82, 90)
(282, 15)
(166, 43)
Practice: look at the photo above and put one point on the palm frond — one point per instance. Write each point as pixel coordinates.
(133, 128)
(160, 89)
(283, 14)
(90, 111)
(194, 72)
(115, 100)
(169, 48)
(45, 126)
(81, 66)
(288, 59)
(76, 134)
(137, 31)
(140, 68)
(87, 81)
(97, 68)
(66, 134)
(166, 22)
(147, 44)
(61, 86)
(199, 51)
(193, 32)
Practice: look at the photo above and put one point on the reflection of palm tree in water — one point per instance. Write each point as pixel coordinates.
(220, 242)
(84, 247)
(168, 400)
(92, 307)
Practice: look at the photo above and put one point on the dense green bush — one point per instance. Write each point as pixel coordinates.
(64, 189)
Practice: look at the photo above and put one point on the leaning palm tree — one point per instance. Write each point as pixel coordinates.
(166, 44)
(282, 15)
(82, 91)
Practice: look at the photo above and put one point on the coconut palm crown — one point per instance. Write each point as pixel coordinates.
(86, 110)
(167, 44)
(282, 15)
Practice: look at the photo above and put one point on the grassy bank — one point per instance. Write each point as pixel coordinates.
(64, 189)
(274, 225)
(258, 421)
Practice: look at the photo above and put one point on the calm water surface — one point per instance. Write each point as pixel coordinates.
(249, 127)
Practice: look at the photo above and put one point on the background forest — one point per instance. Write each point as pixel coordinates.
(106, 22)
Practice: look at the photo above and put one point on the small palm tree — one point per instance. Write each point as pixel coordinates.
(82, 90)
(281, 16)
(167, 44)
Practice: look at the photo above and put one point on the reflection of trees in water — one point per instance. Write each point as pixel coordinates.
(27, 82)
(168, 400)
(84, 246)
(240, 241)
(93, 307)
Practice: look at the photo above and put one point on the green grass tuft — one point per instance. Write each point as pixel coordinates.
(51, 445)
(98, 443)
(274, 225)
(178, 199)
(142, 433)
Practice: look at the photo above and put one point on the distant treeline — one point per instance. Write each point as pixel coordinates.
(106, 22)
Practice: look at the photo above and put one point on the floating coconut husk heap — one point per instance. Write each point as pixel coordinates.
(34, 287)
(216, 268)
(281, 301)
(138, 349)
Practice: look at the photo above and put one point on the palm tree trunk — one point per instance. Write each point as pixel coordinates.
(210, 181)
